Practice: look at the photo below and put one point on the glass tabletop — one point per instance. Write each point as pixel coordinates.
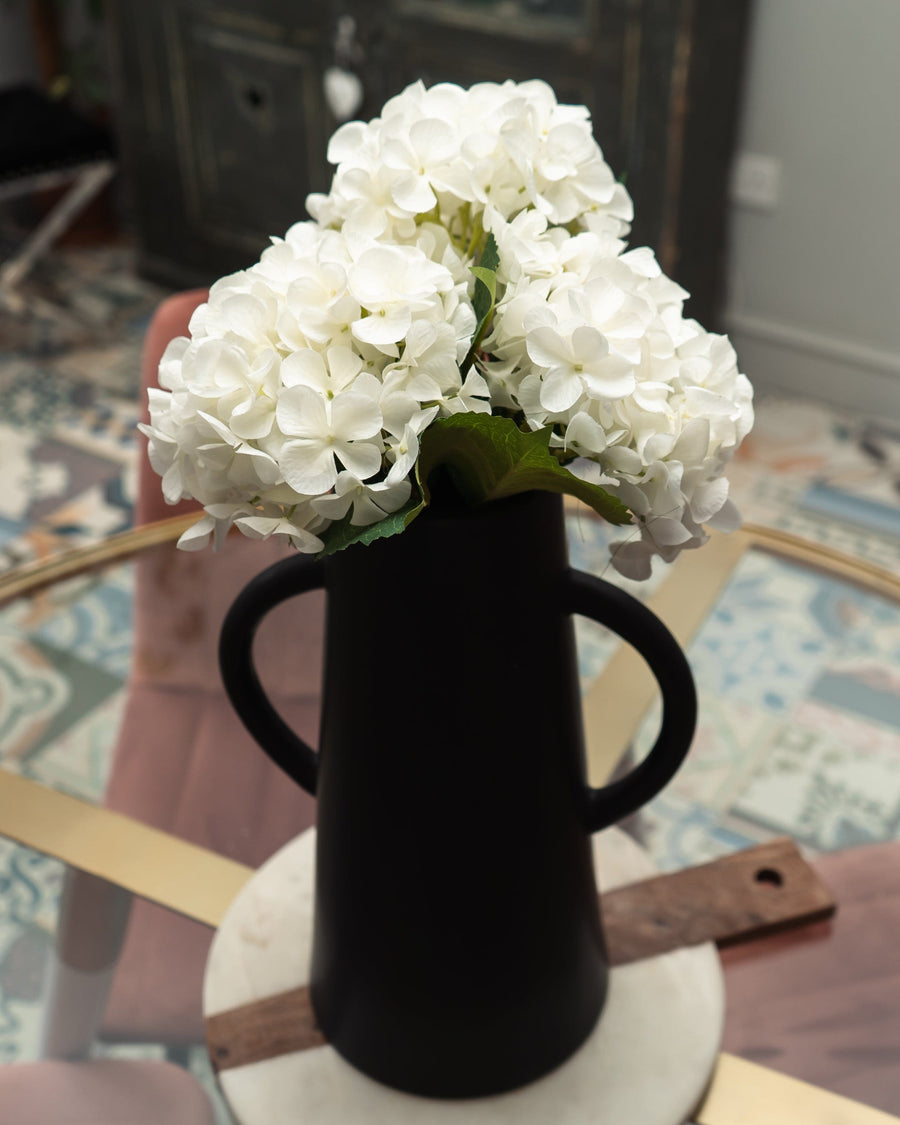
(799, 734)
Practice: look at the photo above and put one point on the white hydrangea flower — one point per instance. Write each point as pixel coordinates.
(303, 393)
(277, 399)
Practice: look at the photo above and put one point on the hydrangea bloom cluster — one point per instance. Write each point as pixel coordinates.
(308, 380)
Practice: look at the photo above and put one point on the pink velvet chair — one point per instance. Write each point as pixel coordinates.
(101, 1092)
(183, 761)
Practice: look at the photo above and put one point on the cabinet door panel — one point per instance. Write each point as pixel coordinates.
(249, 137)
(222, 124)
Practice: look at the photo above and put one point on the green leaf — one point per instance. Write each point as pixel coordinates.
(489, 457)
(342, 533)
(488, 279)
(484, 297)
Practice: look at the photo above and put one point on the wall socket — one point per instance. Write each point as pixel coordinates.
(756, 181)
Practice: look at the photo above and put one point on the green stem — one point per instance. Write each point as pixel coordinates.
(475, 237)
(473, 350)
(459, 237)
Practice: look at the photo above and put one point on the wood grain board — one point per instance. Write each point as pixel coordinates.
(822, 1003)
(757, 891)
(746, 895)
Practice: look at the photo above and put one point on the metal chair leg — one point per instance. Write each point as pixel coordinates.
(88, 183)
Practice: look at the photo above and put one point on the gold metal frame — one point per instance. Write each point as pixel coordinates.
(34, 576)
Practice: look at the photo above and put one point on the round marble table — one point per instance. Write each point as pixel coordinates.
(647, 1062)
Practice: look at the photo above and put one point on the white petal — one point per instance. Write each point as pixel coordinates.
(413, 194)
(613, 378)
(693, 442)
(355, 416)
(560, 391)
(219, 428)
(347, 141)
(433, 140)
(424, 388)
(344, 366)
(336, 504)
(589, 344)
(585, 433)
(173, 486)
(386, 326)
(253, 419)
(308, 466)
(632, 559)
(668, 532)
(304, 368)
(377, 500)
(547, 348)
(361, 458)
(301, 411)
(197, 535)
(728, 518)
(708, 499)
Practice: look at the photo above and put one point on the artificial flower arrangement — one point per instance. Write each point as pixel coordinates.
(463, 296)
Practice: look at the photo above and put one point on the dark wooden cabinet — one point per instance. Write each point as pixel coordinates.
(224, 124)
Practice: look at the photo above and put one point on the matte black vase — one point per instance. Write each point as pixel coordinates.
(458, 949)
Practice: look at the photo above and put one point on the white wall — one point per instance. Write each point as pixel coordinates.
(814, 303)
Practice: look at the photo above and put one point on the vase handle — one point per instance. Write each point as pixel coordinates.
(640, 627)
(276, 584)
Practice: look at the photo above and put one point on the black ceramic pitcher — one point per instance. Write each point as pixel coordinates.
(458, 948)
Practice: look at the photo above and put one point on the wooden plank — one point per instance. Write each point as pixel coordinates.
(736, 898)
(263, 1029)
(823, 1002)
(723, 901)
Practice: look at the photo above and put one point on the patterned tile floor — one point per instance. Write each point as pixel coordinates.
(799, 675)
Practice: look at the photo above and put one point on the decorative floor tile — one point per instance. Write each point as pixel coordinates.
(859, 737)
(836, 504)
(680, 834)
(812, 786)
(94, 628)
(27, 479)
(33, 694)
(78, 760)
(762, 644)
(727, 743)
(29, 896)
(82, 686)
(870, 691)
